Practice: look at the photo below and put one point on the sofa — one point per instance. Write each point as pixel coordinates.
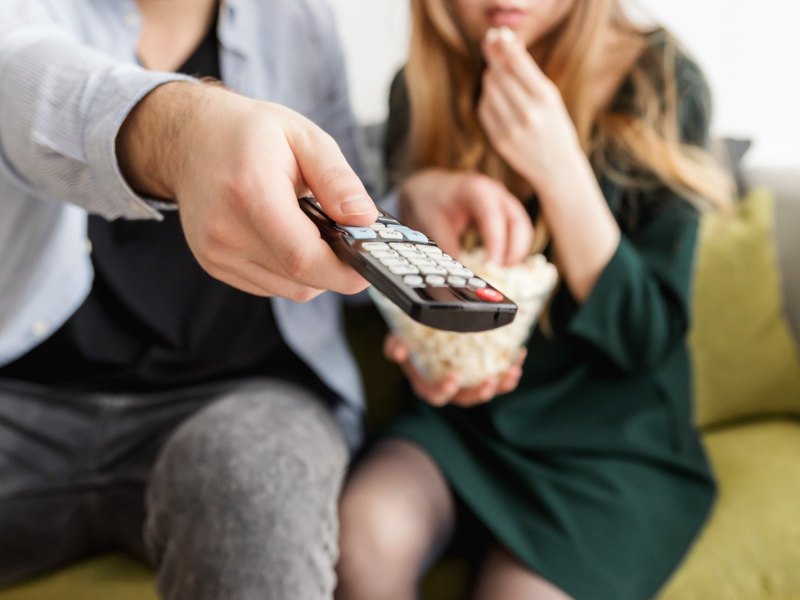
(750, 549)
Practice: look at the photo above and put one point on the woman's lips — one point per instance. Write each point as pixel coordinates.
(505, 17)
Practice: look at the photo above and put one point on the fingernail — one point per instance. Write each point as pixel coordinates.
(492, 35)
(359, 205)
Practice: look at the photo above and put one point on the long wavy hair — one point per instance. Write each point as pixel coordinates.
(443, 76)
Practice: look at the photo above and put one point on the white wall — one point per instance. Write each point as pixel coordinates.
(375, 35)
(750, 50)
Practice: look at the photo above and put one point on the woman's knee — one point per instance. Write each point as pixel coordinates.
(392, 518)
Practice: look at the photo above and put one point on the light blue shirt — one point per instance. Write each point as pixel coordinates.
(68, 79)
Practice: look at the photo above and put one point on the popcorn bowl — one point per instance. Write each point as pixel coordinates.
(477, 356)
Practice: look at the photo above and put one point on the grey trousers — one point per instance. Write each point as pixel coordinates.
(229, 490)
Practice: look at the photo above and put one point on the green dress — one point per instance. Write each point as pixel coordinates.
(591, 472)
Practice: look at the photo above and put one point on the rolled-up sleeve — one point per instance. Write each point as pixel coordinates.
(61, 107)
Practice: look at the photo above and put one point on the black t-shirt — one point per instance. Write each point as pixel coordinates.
(154, 319)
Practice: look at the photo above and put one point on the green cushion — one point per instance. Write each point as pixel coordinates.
(745, 360)
(749, 550)
(105, 578)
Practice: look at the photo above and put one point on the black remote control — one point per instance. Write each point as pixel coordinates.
(414, 273)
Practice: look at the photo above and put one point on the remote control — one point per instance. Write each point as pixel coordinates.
(414, 273)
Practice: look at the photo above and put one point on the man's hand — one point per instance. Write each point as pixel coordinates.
(448, 390)
(445, 204)
(236, 167)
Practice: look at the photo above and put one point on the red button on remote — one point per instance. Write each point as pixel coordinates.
(489, 295)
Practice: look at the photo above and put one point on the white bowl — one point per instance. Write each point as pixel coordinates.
(477, 356)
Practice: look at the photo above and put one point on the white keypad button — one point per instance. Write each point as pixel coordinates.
(375, 246)
(476, 283)
(404, 270)
(422, 261)
(435, 280)
(391, 261)
(461, 273)
(384, 253)
(377, 226)
(457, 281)
(401, 246)
(413, 281)
(449, 264)
(432, 271)
(410, 253)
(389, 234)
(430, 249)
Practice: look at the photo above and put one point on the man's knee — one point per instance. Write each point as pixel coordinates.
(252, 479)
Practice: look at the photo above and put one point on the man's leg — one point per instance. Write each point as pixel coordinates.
(242, 501)
(45, 445)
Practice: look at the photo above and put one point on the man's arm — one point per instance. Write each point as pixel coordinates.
(61, 106)
(234, 166)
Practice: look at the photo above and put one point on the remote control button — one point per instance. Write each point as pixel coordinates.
(489, 295)
(404, 270)
(449, 264)
(410, 234)
(416, 236)
(408, 253)
(389, 234)
(414, 281)
(370, 246)
(461, 272)
(422, 261)
(401, 246)
(435, 280)
(360, 233)
(377, 226)
(458, 282)
(430, 249)
(383, 253)
(391, 261)
(476, 283)
(432, 271)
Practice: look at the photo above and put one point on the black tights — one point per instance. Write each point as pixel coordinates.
(397, 514)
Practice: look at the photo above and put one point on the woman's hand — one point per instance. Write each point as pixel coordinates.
(444, 204)
(527, 123)
(524, 116)
(448, 390)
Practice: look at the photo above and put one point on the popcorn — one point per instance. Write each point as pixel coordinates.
(504, 33)
(477, 356)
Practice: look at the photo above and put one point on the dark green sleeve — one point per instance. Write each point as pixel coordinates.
(638, 311)
(395, 144)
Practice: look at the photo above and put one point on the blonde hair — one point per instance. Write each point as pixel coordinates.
(443, 80)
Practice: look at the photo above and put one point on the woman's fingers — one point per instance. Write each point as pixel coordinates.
(394, 349)
(515, 58)
(448, 389)
(436, 393)
(505, 113)
(519, 102)
(520, 231)
(479, 394)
